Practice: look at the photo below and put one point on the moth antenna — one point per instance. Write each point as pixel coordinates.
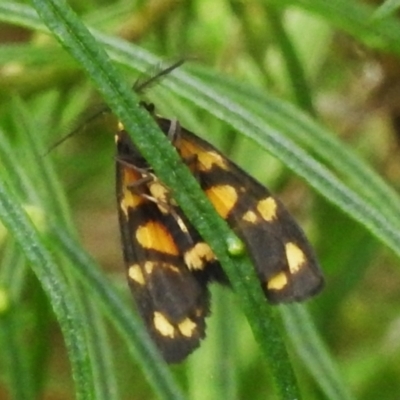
(141, 85)
(138, 87)
(91, 118)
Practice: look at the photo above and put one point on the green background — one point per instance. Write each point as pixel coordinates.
(302, 94)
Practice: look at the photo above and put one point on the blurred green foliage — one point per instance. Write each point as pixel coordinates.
(320, 64)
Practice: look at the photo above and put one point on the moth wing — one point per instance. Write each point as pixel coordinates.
(172, 300)
(284, 260)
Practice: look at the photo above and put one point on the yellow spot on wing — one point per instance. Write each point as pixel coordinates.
(155, 236)
(250, 216)
(171, 267)
(160, 193)
(162, 325)
(267, 208)
(196, 257)
(187, 327)
(129, 199)
(135, 273)
(158, 190)
(223, 198)
(148, 267)
(277, 282)
(295, 257)
(205, 159)
(199, 312)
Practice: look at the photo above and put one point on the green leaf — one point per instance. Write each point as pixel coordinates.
(53, 282)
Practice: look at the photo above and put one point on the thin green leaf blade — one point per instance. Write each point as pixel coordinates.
(53, 282)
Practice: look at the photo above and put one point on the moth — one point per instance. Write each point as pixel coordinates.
(169, 266)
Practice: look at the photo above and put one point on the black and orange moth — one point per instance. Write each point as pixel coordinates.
(169, 265)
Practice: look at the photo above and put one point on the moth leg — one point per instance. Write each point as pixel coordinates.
(128, 164)
(174, 130)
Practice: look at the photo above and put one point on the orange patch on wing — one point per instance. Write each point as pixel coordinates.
(223, 198)
(155, 236)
